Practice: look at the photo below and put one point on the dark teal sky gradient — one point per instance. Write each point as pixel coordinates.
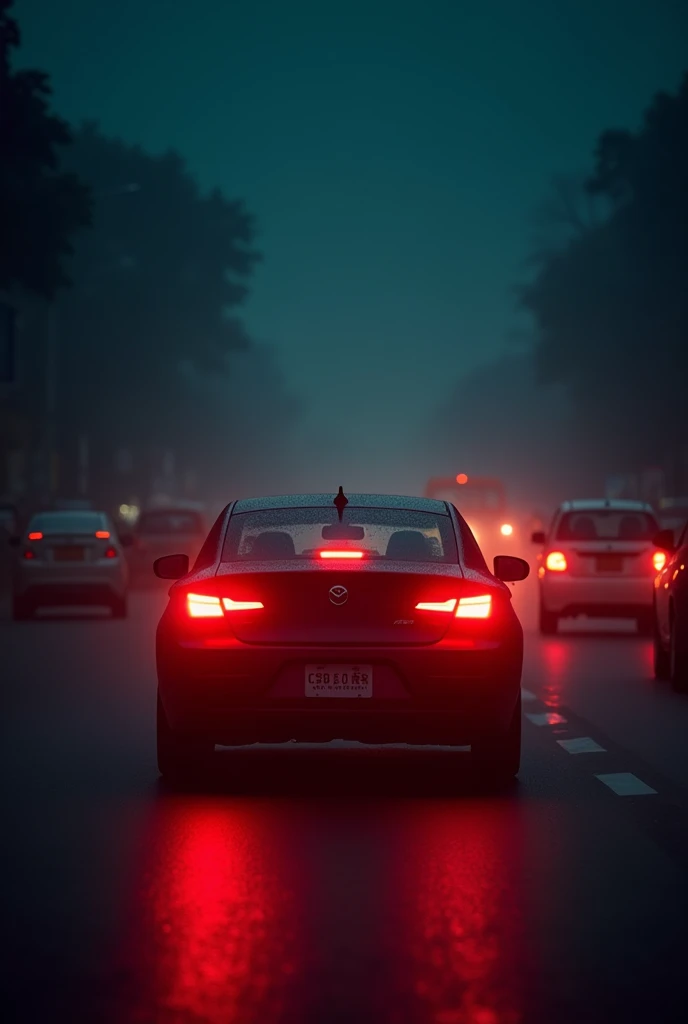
(393, 153)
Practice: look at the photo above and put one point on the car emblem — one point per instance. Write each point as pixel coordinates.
(339, 595)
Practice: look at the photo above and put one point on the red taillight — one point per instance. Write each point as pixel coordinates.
(29, 554)
(103, 534)
(479, 607)
(206, 606)
(110, 552)
(36, 535)
(556, 561)
(659, 560)
(341, 554)
(475, 607)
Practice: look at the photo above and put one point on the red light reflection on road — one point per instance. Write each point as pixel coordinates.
(557, 658)
(211, 938)
(467, 947)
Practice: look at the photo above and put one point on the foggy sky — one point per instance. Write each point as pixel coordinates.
(393, 153)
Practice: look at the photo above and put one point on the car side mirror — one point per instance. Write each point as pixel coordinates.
(171, 567)
(664, 540)
(510, 569)
(538, 537)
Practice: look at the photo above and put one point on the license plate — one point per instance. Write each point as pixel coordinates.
(339, 681)
(73, 554)
(609, 563)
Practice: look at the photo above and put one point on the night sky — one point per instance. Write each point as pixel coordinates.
(393, 154)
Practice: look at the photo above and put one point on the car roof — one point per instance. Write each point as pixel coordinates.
(599, 504)
(357, 500)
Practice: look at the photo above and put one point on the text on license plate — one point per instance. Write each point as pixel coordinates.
(68, 554)
(339, 681)
(609, 563)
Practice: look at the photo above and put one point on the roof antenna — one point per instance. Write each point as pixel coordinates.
(341, 501)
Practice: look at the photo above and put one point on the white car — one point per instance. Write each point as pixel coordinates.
(69, 558)
(599, 559)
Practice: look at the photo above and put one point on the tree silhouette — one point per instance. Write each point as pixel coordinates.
(40, 205)
(611, 306)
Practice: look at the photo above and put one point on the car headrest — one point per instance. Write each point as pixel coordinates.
(583, 528)
(408, 545)
(273, 544)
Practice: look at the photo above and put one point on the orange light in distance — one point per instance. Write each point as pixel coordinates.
(475, 607)
(659, 560)
(506, 529)
(36, 535)
(462, 478)
(556, 561)
(240, 606)
(103, 534)
(437, 606)
(341, 554)
(202, 606)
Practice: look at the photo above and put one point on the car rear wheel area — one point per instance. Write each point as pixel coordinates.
(498, 758)
(180, 758)
(678, 659)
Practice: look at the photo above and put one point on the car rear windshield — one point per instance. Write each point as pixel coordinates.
(303, 533)
(607, 524)
(170, 523)
(68, 522)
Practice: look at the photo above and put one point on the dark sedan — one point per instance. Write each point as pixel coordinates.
(671, 610)
(372, 618)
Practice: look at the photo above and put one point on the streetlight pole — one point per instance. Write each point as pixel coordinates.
(52, 383)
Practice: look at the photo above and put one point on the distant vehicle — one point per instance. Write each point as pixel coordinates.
(305, 620)
(599, 560)
(671, 609)
(672, 513)
(482, 502)
(69, 558)
(164, 531)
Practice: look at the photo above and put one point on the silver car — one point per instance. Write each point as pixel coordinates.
(73, 558)
(599, 559)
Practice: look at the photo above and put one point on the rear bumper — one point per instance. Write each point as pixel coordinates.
(71, 585)
(425, 696)
(574, 595)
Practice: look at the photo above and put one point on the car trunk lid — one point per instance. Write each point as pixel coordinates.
(338, 607)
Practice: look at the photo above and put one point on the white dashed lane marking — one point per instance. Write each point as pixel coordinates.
(549, 718)
(528, 695)
(581, 745)
(626, 784)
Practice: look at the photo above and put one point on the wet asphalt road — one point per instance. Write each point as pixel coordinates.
(346, 884)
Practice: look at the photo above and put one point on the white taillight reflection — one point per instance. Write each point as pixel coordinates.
(475, 607)
(241, 606)
(203, 606)
(437, 606)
